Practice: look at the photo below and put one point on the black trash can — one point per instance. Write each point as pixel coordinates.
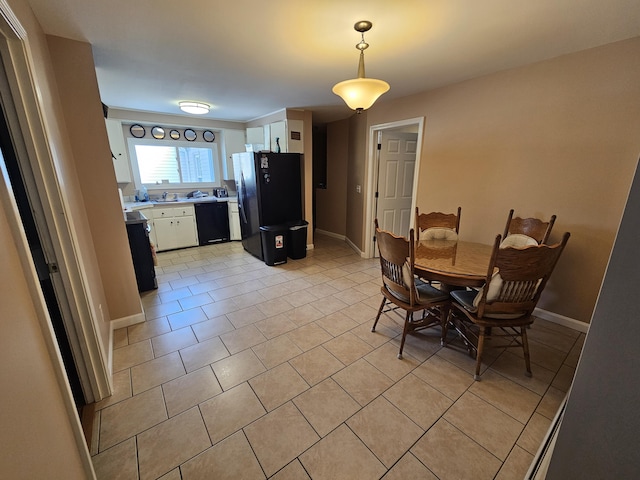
(274, 244)
(297, 241)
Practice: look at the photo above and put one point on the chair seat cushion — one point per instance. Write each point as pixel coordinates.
(438, 233)
(429, 294)
(465, 298)
(518, 240)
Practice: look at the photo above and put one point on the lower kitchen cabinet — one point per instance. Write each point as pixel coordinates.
(174, 227)
(234, 221)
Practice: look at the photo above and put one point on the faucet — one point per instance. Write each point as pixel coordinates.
(164, 195)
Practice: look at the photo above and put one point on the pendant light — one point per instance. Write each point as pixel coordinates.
(361, 93)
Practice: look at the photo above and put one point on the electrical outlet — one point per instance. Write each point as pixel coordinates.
(358, 189)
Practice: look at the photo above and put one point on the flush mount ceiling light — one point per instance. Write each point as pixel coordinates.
(195, 108)
(360, 93)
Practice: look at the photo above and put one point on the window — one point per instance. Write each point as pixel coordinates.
(176, 164)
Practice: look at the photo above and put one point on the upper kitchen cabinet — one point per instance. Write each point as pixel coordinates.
(234, 141)
(118, 150)
(288, 134)
(258, 137)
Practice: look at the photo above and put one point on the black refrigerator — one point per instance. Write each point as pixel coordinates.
(269, 187)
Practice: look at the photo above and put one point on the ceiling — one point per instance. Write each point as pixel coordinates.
(249, 58)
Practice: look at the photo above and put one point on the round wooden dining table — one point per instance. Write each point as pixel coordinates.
(453, 262)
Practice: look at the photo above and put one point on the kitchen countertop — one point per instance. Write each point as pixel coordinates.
(131, 206)
(134, 217)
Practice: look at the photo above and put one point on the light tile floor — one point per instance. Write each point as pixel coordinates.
(247, 371)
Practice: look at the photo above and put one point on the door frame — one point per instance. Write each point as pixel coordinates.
(372, 174)
(30, 133)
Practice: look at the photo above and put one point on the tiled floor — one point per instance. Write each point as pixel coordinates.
(248, 371)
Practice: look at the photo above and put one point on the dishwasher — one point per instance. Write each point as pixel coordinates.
(212, 221)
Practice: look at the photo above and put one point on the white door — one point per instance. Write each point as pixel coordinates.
(395, 180)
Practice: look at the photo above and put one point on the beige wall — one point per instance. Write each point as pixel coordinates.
(356, 176)
(37, 434)
(556, 137)
(80, 99)
(307, 168)
(331, 214)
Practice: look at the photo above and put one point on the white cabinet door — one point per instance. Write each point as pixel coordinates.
(234, 142)
(186, 234)
(165, 234)
(279, 136)
(234, 222)
(175, 227)
(119, 150)
(255, 136)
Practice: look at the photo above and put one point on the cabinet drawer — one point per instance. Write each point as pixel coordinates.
(166, 212)
(162, 212)
(183, 211)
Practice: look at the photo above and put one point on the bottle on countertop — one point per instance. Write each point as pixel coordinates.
(142, 195)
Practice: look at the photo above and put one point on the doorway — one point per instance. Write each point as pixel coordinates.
(42, 266)
(51, 241)
(393, 164)
(28, 204)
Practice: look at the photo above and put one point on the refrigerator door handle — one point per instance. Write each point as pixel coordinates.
(241, 211)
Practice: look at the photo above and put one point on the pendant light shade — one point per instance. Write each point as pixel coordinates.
(361, 93)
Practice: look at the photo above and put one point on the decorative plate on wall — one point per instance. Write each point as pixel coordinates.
(157, 133)
(208, 136)
(174, 134)
(190, 134)
(137, 131)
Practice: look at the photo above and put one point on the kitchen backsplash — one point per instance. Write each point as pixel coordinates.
(182, 193)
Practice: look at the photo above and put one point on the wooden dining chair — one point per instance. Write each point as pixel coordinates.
(402, 290)
(537, 229)
(438, 225)
(515, 280)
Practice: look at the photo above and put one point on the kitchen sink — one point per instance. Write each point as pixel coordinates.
(165, 200)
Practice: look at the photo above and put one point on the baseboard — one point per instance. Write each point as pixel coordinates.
(540, 465)
(127, 321)
(330, 234)
(561, 320)
(356, 249)
(87, 414)
(116, 324)
(341, 237)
